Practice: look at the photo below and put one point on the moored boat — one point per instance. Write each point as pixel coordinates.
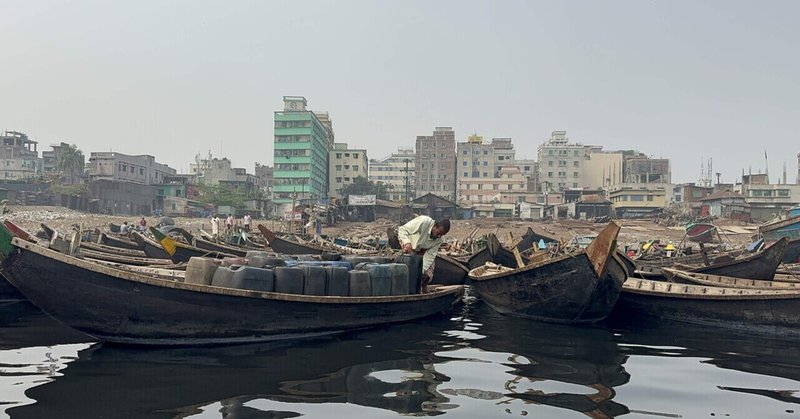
(754, 310)
(701, 232)
(181, 252)
(759, 265)
(572, 288)
(134, 308)
(677, 275)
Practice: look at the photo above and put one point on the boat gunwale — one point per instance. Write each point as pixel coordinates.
(673, 291)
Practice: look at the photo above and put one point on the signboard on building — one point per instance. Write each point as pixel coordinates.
(298, 215)
(361, 200)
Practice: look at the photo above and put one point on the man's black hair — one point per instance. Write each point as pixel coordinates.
(444, 223)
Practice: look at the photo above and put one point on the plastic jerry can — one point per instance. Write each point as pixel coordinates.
(314, 280)
(288, 280)
(381, 276)
(338, 281)
(360, 284)
(200, 271)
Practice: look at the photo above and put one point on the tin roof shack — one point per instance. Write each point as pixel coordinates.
(726, 204)
(391, 210)
(122, 198)
(437, 207)
(592, 206)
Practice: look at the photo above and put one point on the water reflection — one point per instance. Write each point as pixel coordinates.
(476, 364)
(573, 368)
(34, 350)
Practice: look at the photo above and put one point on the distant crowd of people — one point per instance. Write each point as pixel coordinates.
(230, 224)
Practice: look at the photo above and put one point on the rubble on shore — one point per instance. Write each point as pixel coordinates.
(732, 233)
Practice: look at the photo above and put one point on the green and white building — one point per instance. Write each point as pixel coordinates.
(303, 142)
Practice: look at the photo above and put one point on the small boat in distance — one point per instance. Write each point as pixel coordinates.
(701, 232)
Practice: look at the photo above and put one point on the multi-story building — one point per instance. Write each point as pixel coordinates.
(397, 172)
(767, 200)
(435, 163)
(601, 169)
(214, 171)
(19, 158)
(302, 147)
(346, 164)
(264, 176)
(529, 169)
(142, 169)
(560, 163)
(474, 158)
(507, 186)
(645, 189)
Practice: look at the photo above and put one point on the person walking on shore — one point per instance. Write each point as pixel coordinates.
(423, 236)
(215, 226)
(246, 221)
(229, 224)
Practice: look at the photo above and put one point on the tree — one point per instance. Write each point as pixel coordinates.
(360, 186)
(70, 163)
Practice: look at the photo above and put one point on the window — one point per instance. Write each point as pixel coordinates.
(574, 185)
(465, 152)
(783, 192)
(637, 198)
(526, 168)
(347, 179)
(485, 152)
(141, 171)
(347, 154)
(494, 187)
(650, 198)
(574, 174)
(338, 180)
(338, 167)
(466, 174)
(509, 187)
(464, 163)
(550, 163)
(549, 174)
(355, 155)
(485, 174)
(485, 163)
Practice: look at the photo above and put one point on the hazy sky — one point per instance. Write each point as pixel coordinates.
(684, 80)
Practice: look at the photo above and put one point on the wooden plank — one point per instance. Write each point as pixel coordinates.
(518, 257)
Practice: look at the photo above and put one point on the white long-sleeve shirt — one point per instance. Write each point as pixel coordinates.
(418, 233)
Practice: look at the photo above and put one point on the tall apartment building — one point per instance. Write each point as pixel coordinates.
(435, 163)
(478, 160)
(397, 172)
(19, 159)
(142, 169)
(560, 163)
(302, 146)
(346, 164)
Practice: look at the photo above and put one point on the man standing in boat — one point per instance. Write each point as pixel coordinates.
(423, 236)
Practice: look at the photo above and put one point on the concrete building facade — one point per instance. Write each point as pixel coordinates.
(19, 158)
(345, 165)
(560, 163)
(142, 169)
(302, 147)
(214, 171)
(601, 169)
(435, 163)
(397, 172)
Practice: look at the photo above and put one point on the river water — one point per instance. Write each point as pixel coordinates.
(471, 363)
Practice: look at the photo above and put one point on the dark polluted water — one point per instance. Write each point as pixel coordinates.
(471, 363)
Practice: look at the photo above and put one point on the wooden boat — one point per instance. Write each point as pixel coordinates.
(759, 265)
(700, 232)
(572, 288)
(494, 252)
(207, 245)
(114, 228)
(788, 227)
(122, 242)
(112, 250)
(754, 310)
(182, 252)
(792, 252)
(133, 308)
(289, 247)
(448, 271)
(677, 275)
(130, 260)
(151, 248)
